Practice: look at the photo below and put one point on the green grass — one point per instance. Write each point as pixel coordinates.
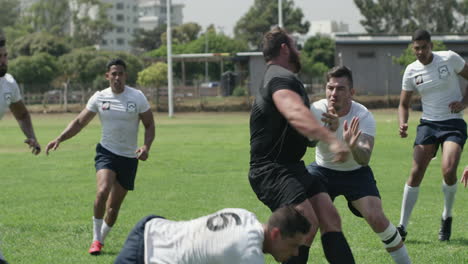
(198, 164)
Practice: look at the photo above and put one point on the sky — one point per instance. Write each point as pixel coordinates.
(225, 13)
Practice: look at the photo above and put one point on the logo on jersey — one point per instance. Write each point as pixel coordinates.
(7, 98)
(418, 79)
(131, 107)
(221, 221)
(105, 105)
(443, 72)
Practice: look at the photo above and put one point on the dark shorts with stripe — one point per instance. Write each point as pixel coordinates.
(133, 251)
(125, 168)
(353, 185)
(277, 185)
(437, 132)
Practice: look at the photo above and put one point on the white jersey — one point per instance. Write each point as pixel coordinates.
(323, 156)
(229, 236)
(437, 83)
(119, 115)
(9, 93)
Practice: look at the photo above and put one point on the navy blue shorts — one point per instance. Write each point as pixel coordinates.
(133, 251)
(353, 185)
(124, 167)
(437, 132)
(277, 185)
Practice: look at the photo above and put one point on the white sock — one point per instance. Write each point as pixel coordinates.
(400, 256)
(410, 196)
(97, 223)
(449, 195)
(104, 231)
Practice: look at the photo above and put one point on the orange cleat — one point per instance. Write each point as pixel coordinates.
(95, 248)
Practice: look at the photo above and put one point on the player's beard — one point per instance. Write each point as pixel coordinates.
(3, 70)
(295, 61)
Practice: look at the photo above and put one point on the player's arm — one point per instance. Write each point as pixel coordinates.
(458, 106)
(361, 144)
(148, 122)
(291, 106)
(464, 178)
(23, 117)
(403, 112)
(73, 128)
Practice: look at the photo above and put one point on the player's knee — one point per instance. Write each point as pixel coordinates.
(376, 219)
(390, 237)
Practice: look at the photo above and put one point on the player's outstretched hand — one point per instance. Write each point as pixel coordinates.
(142, 153)
(33, 145)
(464, 178)
(54, 144)
(403, 130)
(352, 132)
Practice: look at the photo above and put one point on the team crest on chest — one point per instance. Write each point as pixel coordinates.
(443, 72)
(418, 79)
(7, 98)
(105, 105)
(131, 107)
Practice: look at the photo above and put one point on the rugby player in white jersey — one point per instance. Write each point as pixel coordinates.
(120, 109)
(353, 178)
(228, 236)
(434, 75)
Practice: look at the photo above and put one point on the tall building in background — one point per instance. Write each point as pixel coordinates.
(124, 15)
(152, 13)
(327, 27)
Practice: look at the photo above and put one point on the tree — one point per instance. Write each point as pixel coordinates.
(263, 15)
(153, 76)
(183, 34)
(87, 30)
(9, 13)
(52, 16)
(147, 40)
(31, 44)
(35, 72)
(402, 16)
(408, 56)
(317, 56)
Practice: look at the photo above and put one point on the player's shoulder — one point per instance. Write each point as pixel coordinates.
(277, 72)
(444, 54)
(360, 110)
(9, 78)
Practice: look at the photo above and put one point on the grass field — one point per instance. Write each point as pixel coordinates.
(198, 164)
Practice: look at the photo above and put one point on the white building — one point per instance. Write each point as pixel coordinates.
(327, 27)
(152, 13)
(124, 15)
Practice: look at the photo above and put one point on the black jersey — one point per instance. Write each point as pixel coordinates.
(272, 138)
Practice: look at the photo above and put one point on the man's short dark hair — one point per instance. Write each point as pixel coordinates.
(341, 71)
(421, 34)
(116, 61)
(289, 221)
(272, 41)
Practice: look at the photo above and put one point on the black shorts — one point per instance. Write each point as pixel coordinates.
(437, 132)
(125, 168)
(353, 185)
(277, 185)
(133, 251)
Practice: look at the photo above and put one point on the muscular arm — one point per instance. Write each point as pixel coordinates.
(148, 122)
(21, 115)
(291, 106)
(24, 119)
(403, 112)
(299, 116)
(362, 150)
(73, 128)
